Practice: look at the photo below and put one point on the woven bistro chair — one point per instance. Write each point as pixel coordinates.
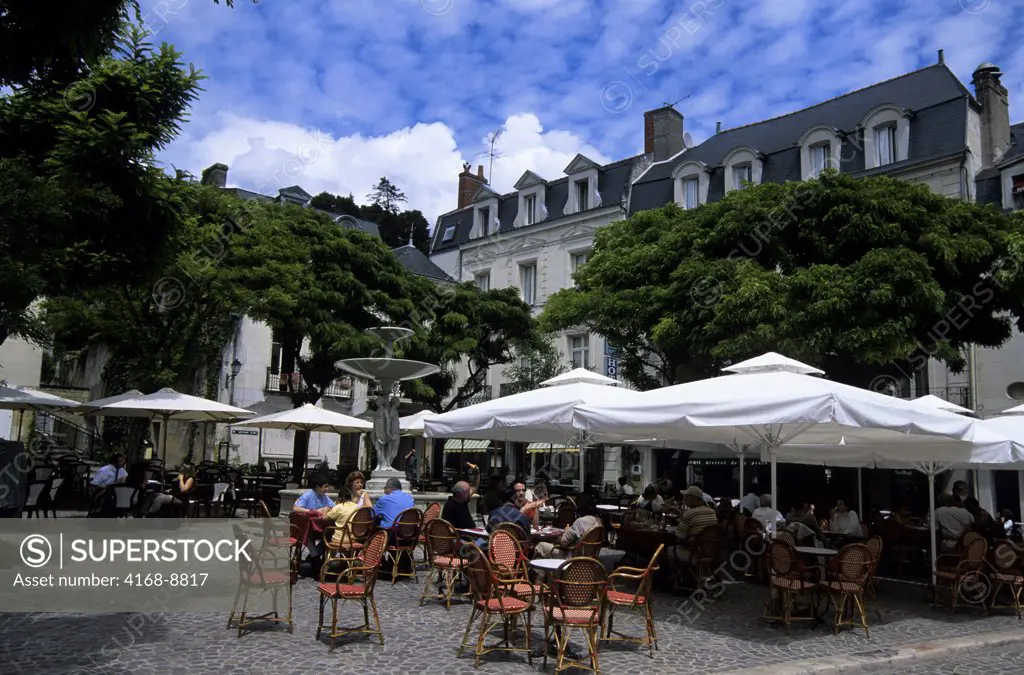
(520, 534)
(361, 526)
(846, 579)
(405, 537)
(496, 603)
(266, 569)
(702, 564)
(444, 561)
(433, 511)
(638, 599)
(786, 536)
(874, 544)
(963, 573)
(345, 588)
(577, 594)
(1007, 571)
(789, 579)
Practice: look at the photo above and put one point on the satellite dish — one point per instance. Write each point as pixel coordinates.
(1016, 391)
(687, 140)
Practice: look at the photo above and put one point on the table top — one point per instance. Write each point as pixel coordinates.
(547, 563)
(612, 507)
(814, 550)
(476, 532)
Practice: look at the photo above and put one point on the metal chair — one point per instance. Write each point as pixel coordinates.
(444, 562)
(789, 579)
(874, 544)
(846, 578)
(433, 511)
(405, 537)
(266, 569)
(362, 593)
(962, 572)
(1007, 571)
(638, 600)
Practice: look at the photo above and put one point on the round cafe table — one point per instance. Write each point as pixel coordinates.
(545, 566)
(815, 550)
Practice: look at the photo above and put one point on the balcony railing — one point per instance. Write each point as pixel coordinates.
(290, 383)
(509, 388)
(485, 395)
(956, 395)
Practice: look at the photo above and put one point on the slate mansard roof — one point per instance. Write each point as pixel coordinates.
(612, 184)
(935, 98)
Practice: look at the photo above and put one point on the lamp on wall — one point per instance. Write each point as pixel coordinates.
(236, 367)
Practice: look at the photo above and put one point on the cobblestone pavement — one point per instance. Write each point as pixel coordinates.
(1007, 659)
(695, 636)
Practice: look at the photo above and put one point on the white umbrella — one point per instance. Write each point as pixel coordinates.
(1015, 410)
(93, 406)
(577, 375)
(936, 403)
(772, 362)
(545, 415)
(167, 405)
(776, 403)
(412, 425)
(24, 398)
(309, 418)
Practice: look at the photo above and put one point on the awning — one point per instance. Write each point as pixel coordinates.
(550, 447)
(461, 445)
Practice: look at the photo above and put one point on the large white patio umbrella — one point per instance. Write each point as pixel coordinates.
(167, 405)
(544, 415)
(93, 406)
(775, 403)
(309, 418)
(25, 398)
(412, 425)
(936, 403)
(580, 375)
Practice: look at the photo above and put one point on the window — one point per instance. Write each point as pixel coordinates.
(483, 281)
(275, 358)
(530, 208)
(582, 195)
(885, 144)
(576, 260)
(742, 174)
(690, 198)
(528, 282)
(449, 234)
(821, 158)
(485, 221)
(579, 350)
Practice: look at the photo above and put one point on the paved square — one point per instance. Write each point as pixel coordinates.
(722, 635)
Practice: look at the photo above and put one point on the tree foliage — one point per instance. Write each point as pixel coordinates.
(396, 228)
(463, 326)
(386, 195)
(856, 275)
(534, 364)
(82, 204)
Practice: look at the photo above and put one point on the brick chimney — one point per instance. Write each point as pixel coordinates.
(215, 175)
(469, 183)
(663, 132)
(995, 113)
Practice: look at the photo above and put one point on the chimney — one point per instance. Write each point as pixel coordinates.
(718, 127)
(215, 175)
(469, 183)
(663, 133)
(995, 113)
(942, 56)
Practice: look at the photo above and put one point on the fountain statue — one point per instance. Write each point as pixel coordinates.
(388, 372)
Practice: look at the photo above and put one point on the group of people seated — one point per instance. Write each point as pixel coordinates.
(154, 503)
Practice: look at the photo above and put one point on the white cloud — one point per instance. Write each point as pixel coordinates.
(424, 160)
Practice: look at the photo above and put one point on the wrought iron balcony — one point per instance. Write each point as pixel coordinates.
(484, 395)
(290, 383)
(956, 395)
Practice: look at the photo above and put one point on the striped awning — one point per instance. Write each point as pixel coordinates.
(550, 447)
(462, 445)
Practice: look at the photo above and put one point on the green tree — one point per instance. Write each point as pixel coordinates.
(464, 329)
(82, 203)
(859, 276)
(386, 195)
(325, 201)
(318, 287)
(535, 363)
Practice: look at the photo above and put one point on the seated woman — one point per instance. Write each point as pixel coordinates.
(355, 485)
(650, 500)
(163, 504)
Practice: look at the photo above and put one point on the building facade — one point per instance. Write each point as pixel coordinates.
(924, 127)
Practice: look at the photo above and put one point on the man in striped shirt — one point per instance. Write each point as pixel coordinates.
(695, 519)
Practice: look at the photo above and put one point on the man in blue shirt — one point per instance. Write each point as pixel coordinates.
(511, 510)
(315, 501)
(392, 503)
(111, 474)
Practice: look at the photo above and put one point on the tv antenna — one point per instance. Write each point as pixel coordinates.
(491, 140)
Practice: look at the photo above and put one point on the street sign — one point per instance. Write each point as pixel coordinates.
(611, 367)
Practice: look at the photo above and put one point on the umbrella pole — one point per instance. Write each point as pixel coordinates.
(259, 448)
(743, 454)
(931, 518)
(775, 496)
(860, 494)
(163, 440)
(21, 420)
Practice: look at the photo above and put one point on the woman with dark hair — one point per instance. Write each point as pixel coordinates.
(178, 498)
(355, 485)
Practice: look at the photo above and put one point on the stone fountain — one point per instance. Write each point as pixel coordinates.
(389, 372)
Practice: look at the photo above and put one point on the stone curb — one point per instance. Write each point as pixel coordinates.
(870, 660)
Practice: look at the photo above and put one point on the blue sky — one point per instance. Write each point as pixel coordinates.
(332, 94)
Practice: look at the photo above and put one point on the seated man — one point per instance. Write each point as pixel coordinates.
(767, 515)
(512, 510)
(952, 520)
(625, 486)
(586, 521)
(315, 500)
(695, 519)
(394, 501)
(750, 501)
(111, 474)
(456, 509)
(708, 499)
(802, 514)
(651, 500)
(845, 521)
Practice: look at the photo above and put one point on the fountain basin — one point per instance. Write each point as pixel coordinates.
(382, 369)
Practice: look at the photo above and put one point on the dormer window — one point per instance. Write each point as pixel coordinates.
(821, 158)
(582, 173)
(485, 213)
(529, 209)
(532, 193)
(886, 136)
(743, 166)
(690, 184)
(885, 144)
(690, 198)
(449, 234)
(582, 195)
(484, 221)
